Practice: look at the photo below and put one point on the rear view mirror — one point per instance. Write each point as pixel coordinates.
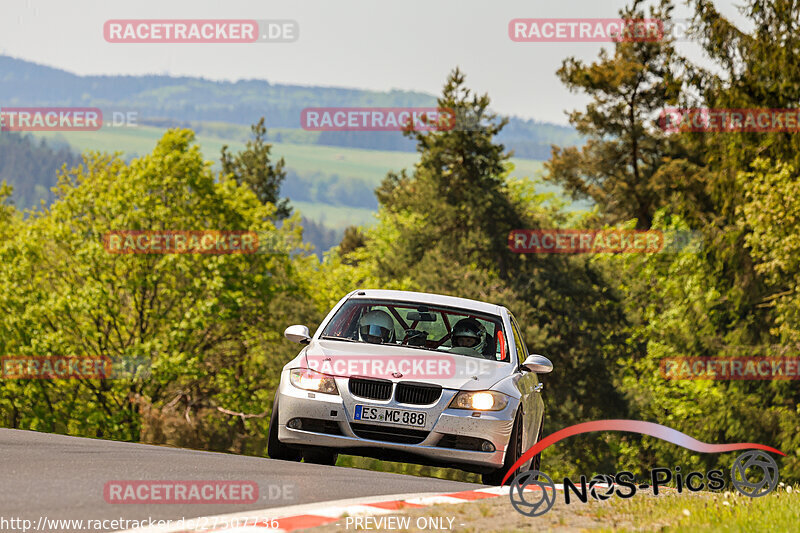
(298, 333)
(538, 364)
(420, 317)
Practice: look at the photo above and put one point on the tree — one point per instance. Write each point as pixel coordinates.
(737, 296)
(621, 166)
(352, 239)
(31, 167)
(443, 228)
(457, 189)
(192, 332)
(253, 168)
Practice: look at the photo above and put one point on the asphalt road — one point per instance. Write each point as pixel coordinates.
(59, 477)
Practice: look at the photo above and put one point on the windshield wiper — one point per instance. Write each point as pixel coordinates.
(332, 338)
(421, 348)
(345, 339)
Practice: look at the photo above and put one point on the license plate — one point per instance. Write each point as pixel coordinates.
(389, 416)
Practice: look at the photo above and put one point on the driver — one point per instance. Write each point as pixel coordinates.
(469, 337)
(376, 327)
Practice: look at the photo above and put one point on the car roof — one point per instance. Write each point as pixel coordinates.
(429, 298)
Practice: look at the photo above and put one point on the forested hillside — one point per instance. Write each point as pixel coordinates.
(167, 100)
(31, 166)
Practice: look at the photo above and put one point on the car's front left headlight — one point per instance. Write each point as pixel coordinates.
(480, 401)
(307, 379)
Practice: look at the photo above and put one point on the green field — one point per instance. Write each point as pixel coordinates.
(306, 159)
(335, 216)
(370, 165)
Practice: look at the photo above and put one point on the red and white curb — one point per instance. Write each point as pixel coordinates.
(292, 518)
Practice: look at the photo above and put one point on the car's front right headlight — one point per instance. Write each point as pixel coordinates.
(307, 379)
(486, 400)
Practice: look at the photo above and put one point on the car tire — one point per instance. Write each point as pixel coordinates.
(513, 452)
(275, 448)
(320, 456)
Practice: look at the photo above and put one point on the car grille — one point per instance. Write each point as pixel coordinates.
(371, 388)
(417, 394)
(389, 434)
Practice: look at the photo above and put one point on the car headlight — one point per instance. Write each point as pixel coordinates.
(480, 401)
(307, 379)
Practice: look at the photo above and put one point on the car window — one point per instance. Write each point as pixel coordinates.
(399, 331)
(522, 350)
(416, 325)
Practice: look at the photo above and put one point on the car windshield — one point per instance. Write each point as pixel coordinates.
(423, 326)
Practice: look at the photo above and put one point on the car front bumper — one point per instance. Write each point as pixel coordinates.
(329, 423)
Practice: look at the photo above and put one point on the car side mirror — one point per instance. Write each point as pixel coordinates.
(298, 333)
(537, 363)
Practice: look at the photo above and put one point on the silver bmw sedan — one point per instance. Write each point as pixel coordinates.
(412, 377)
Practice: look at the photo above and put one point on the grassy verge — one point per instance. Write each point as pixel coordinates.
(728, 511)
(670, 512)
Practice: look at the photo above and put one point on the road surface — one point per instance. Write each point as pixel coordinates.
(60, 477)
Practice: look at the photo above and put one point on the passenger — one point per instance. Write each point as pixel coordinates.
(376, 327)
(469, 338)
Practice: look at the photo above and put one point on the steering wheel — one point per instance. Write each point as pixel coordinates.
(415, 335)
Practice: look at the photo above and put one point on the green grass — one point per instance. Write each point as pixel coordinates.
(778, 511)
(240, 132)
(728, 512)
(370, 165)
(335, 216)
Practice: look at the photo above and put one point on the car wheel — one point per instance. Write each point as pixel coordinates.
(320, 456)
(275, 448)
(513, 453)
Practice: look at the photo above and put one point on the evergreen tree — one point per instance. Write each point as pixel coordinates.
(254, 168)
(620, 166)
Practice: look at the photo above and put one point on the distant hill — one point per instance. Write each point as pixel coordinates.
(162, 99)
(30, 165)
(331, 176)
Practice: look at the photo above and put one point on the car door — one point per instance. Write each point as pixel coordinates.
(529, 386)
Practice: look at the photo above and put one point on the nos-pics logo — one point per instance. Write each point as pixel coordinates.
(753, 473)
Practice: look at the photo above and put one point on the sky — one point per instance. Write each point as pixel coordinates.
(365, 44)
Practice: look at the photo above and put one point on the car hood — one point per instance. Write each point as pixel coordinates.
(400, 363)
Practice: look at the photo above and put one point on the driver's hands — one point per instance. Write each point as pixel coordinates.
(415, 337)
